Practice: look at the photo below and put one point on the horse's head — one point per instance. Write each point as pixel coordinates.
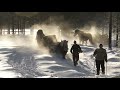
(76, 32)
(40, 33)
(65, 42)
(64, 45)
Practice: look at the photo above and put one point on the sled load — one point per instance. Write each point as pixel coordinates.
(51, 43)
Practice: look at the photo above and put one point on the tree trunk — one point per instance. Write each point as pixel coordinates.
(9, 29)
(110, 31)
(0, 30)
(18, 25)
(20, 31)
(104, 23)
(9, 22)
(24, 26)
(31, 27)
(117, 31)
(13, 25)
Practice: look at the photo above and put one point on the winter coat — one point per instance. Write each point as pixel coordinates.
(100, 54)
(75, 49)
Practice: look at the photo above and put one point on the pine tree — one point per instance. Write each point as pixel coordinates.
(110, 31)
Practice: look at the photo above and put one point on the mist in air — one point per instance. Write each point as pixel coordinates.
(62, 25)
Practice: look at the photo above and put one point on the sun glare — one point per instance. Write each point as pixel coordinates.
(93, 30)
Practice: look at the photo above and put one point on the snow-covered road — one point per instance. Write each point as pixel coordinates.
(22, 61)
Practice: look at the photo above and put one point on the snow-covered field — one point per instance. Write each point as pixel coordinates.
(22, 59)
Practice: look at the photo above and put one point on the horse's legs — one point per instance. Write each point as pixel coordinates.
(86, 43)
(79, 41)
(82, 42)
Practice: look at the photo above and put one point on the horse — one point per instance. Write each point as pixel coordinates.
(44, 40)
(39, 37)
(51, 43)
(84, 37)
(62, 48)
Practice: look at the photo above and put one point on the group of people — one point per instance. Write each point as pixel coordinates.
(100, 55)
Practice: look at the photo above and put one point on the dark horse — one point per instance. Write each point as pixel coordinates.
(62, 48)
(51, 43)
(84, 37)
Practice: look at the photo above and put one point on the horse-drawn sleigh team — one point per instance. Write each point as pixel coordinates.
(61, 48)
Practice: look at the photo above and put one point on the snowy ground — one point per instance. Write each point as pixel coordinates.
(19, 60)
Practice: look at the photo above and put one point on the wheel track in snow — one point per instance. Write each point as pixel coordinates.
(24, 63)
(32, 71)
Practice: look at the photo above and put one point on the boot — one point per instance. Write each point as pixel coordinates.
(74, 63)
(98, 73)
(103, 73)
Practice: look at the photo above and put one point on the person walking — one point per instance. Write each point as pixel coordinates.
(75, 50)
(100, 55)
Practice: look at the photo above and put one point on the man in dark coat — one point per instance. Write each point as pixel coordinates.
(100, 56)
(75, 50)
